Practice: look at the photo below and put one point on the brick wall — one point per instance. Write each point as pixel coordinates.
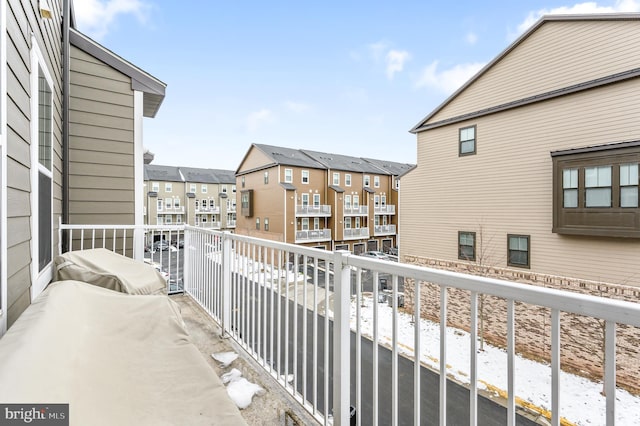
(582, 338)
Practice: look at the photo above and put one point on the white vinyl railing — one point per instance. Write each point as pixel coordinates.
(299, 312)
(158, 245)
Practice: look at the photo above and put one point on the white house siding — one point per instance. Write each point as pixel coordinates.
(101, 143)
(23, 18)
(506, 188)
(557, 55)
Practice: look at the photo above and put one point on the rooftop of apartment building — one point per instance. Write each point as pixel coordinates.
(188, 174)
(323, 160)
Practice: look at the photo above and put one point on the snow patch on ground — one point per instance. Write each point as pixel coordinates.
(581, 401)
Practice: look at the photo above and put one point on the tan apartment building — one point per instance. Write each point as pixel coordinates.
(529, 173)
(198, 197)
(71, 147)
(317, 199)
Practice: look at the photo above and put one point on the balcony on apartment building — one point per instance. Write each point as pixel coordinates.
(208, 210)
(248, 287)
(209, 225)
(353, 210)
(384, 209)
(231, 223)
(171, 210)
(231, 208)
(315, 235)
(384, 230)
(355, 233)
(317, 210)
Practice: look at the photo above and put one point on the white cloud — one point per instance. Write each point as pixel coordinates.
(447, 80)
(95, 17)
(257, 119)
(377, 50)
(297, 107)
(579, 8)
(471, 38)
(395, 60)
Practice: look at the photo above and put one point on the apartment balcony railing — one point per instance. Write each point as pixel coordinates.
(356, 211)
(313, 235)
(320, 210)
(209, 225)
(231, 209)
(386, 209)
(172, 210)
(384, 230)
(209, 210)
(302, 315)
(231, 223)
(355, 233)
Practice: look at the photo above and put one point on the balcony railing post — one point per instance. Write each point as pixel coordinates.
(186, 269)
(138, 243)
(341, 338)
(227, 257)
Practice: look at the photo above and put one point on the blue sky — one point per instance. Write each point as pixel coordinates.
(348, 77)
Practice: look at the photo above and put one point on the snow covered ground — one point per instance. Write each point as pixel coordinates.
(581, 401)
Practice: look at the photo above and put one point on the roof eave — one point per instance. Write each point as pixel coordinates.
(152, 88)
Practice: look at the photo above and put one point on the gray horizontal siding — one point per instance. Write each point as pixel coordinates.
(101, 169)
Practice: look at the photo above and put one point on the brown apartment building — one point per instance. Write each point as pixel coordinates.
(198, 197)
(529, 172)
(317, 199)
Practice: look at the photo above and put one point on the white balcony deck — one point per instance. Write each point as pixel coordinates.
(207, 210)
(389, 209)
(313, 211)
(355, 233)
(270, 299)
(384, 230)
(315, 235)
(356, 210)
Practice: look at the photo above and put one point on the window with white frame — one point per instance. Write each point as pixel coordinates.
(168, 203)
(383, 200)
(176, 203)
(168, 187)
(155, 186)
(305, 200)
(288, 175)
(42, 173)
(167, 220)
(347, 179)
(305, 223)
(224, 189)
(266, 177)
(376, 200)
(266, 223)
(316, 223)
(367, 181)
(203, 188)
(305, 176)
(212, 203)
(160, 204)
(357, 222)
(179, 219)
(347, 202)
(570, 188)
(192, 188)
(347, 223)
(356, 202)
(336, 179)
(233, 189)
(258, 223)
(160, 220)
(316, 200)
(376, 181)
(197, 203)
(376, 220)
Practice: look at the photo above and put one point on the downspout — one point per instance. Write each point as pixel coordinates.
(66, 64)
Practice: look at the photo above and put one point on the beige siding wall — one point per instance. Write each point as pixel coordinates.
(101, 143)
(507, 186)
(557, 55)
(254, 159)
(268, 202)
(22, 20)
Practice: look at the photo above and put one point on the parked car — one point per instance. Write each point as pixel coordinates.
(178, 244)
(393, 251)
(161, 245)
(376, 255)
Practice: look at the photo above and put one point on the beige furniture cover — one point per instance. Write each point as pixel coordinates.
(116, 359)
(107, 269)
